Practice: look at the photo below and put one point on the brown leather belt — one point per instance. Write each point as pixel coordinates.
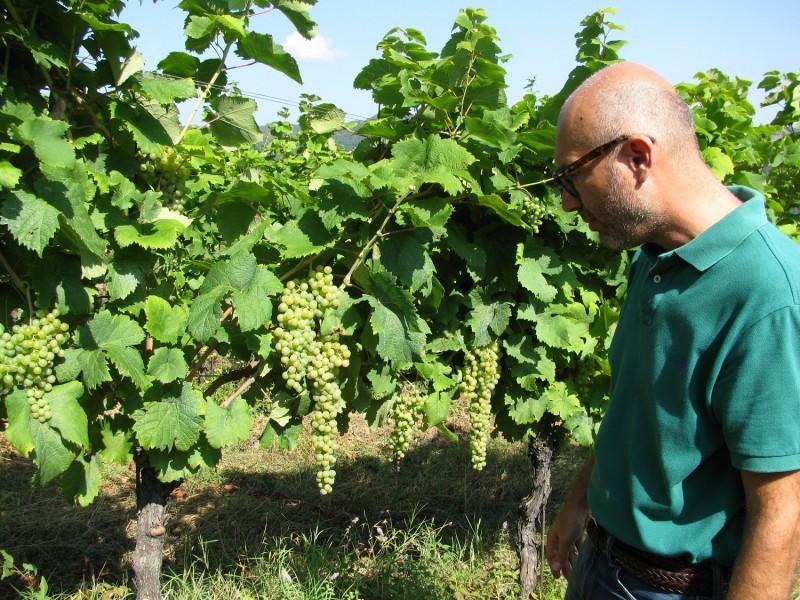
(670, 574)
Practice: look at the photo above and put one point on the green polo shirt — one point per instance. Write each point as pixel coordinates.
(705, 368)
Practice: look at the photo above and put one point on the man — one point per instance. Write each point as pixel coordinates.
(694, 487)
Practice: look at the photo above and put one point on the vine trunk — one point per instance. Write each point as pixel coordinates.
(541, 448)
(151, 502)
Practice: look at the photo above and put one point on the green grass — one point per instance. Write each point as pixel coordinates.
(256, 527)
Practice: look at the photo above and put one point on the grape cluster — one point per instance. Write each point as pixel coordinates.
(27, 354)
(533, 213)
(480, 375)
(311, 360)
(167, 173)
(403, 415)
(583, 379)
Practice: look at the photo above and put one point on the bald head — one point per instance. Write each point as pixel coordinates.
(626, 99)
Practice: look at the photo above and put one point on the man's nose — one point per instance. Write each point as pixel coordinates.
(569, 202)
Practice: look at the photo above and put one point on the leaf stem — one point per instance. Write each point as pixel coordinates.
(368, 246)
(206, 91)
(21, 286)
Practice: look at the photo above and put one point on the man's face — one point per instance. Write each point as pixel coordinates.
(610, 204)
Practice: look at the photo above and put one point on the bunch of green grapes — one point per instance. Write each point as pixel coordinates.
(27, 354)
(583, 380)
(480, 375)
(311, 360)
(533, 213)
(407, 407)
(166, 173)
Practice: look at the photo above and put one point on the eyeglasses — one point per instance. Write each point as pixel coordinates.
(561, 175)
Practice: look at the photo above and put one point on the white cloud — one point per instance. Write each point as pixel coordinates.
(318, 48)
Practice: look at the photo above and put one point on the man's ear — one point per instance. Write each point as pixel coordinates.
(639, 156)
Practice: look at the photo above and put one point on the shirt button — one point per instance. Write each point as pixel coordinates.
(657, 278)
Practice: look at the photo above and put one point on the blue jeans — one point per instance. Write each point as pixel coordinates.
(595, 577)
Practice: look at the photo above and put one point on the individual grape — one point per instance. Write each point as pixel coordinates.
(481, 372)
(403, 415)
(311, 360)
(27, 354)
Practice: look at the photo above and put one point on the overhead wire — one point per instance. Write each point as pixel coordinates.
(257, 96)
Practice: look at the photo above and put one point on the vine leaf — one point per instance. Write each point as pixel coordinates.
(248, 285)
(563, 327)
(524, 407)
(69, 418)
(105, 338)
(32, 221)
(46, 138)
(487, 318)
(165, 90)
(53, 454)
(9, 175)
(228, 426)
(262, 48)
(234, 123)
(161, 235)
(82, 480)
(164, 322)
(560, 402)
(173, 421)
(167, 365)
(433, 160)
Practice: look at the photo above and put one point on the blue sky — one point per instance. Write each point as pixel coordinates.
(678, 38)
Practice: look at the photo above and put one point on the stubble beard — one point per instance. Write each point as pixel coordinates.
(627, 216)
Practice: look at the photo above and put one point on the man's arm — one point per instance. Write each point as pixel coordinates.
(566, 532)
(767, 560)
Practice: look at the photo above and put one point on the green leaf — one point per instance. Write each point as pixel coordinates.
(160, 235)
(174, 421)
(204, 315)
(486, 318)
(306, 236)
(228, 426)
(719, 162)
(19, 432)
(104, 338)
(560, 401)
(436, 408)
(9, 175)
(524, 407)
(46, 137)
(117, 445)
(581, 426)
(261, 48)
(434, 160)
(82, 480)
(69, 418)
(167, 364)
(52, 453)
(234, 124)
(165, 90)
(164, 322)
(563, 327)
(32, 221)
(533, 274)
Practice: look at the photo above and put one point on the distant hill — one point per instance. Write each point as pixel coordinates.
(345, 139)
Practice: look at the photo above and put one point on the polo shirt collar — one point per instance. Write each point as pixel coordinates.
(720, 239)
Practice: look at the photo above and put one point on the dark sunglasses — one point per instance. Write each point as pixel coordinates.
(561, 176)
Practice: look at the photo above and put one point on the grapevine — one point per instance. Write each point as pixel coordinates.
(403, 415)
(481, 372)
(311, 359)
(26, 360)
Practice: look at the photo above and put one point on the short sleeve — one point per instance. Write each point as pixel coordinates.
(756, 397)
